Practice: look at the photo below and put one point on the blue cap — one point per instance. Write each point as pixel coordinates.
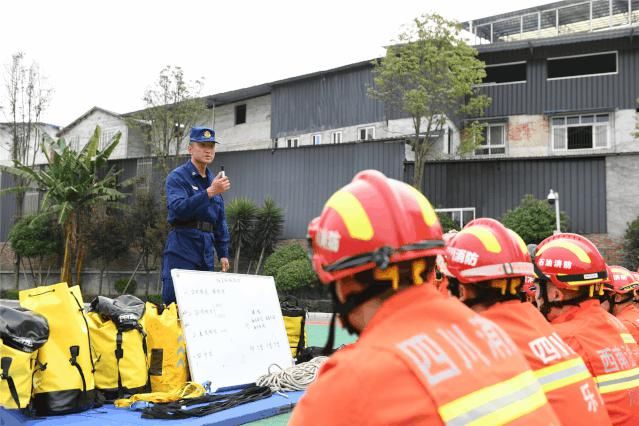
(202, 134)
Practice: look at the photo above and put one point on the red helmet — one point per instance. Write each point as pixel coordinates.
(621, 280)
(570, 261)
(486, 250)
(529, 286)
(371, 222)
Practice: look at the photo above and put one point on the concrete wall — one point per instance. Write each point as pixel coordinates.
(622, 201)
(255, 133)
(36, 139)
(108, 123)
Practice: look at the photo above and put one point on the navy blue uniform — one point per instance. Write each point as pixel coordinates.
(190, 248)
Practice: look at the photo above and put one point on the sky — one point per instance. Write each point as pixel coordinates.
(107, 54)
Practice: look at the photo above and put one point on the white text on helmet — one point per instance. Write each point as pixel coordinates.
(328, 240)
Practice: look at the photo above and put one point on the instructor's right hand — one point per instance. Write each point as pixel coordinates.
(219, 185)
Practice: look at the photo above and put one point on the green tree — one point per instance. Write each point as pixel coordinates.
(428, 74)
(268, 227)
(533, 220)
(283, 256)
(294, 275)
(27, 97)
(631, 245)
(73, 182)
(240, 215)
(447, 222)
(107, 239)
(172, 105)
(35, 238)
(148, 229)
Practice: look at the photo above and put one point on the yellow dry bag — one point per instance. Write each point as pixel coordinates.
(23, 333)
(168, 368)
(295, 323)
(119, 343)
(65, 385)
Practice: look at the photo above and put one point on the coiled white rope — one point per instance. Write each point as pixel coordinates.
(293, 378)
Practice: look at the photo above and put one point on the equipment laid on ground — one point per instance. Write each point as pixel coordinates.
(187, 390)
(119, 342)
(295, 322)
(168, 367)
(292, 378)
(66, 383)
(22, 334)
(214, 403)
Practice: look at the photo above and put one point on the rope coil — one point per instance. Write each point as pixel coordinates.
(293, 378)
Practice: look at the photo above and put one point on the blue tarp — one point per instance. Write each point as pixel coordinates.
(108, 415)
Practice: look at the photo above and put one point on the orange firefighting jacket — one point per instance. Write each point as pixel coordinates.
(564, 377)
(425, 359)
(610, 353)
(629, 316)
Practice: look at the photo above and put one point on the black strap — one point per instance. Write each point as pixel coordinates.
(214, 403)
(119, 353)
(381, 257)
(75, 352)
(301, 344)
(81, 309)
(5, 364)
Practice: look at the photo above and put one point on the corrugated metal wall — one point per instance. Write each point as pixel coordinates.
(7, 206)
(299, 179)
(495, 186)
(539, 96)
(326, 102)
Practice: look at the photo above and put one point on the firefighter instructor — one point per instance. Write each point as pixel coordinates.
(195, 213)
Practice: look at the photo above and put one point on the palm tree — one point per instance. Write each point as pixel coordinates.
(268, 227)
(72, 185)
(241, 219)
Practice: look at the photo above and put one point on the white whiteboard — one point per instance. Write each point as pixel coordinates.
(233, 326)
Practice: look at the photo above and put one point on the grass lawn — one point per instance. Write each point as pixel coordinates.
(317, 335)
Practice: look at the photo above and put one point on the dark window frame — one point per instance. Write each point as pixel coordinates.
(240, 114)
(510, 65)
(578, 62)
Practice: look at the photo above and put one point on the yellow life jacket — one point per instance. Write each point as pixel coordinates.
(295, 323)
(22, 333)
(119, 343)
(66, 384)
(168, 368)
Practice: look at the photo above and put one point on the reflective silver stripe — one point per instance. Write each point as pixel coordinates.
(562, 374)
(617, 381)
(495, 405)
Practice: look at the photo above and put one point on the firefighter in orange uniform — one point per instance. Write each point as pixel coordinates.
(622, 292)
(571, 274)
(421, 358)
(491, 286)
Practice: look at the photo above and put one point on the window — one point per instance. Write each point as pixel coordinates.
(74, 143)
(144, 172)
(505, 73)
(317, 139)
(106, 137)
(582, 65)
(31, 202)
(580, 132)
(292, 142)
(494, 140)
(240, 114)
(336, 137)
(366, 133)
(461, 216)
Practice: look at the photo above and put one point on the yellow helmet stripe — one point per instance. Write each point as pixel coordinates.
(352, 213)
(568, 245)
(430, 217)
(484, 235)
(520, 241)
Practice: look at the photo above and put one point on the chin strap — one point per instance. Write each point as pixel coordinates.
(612, 302)
(344, 309)
(548, 305)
